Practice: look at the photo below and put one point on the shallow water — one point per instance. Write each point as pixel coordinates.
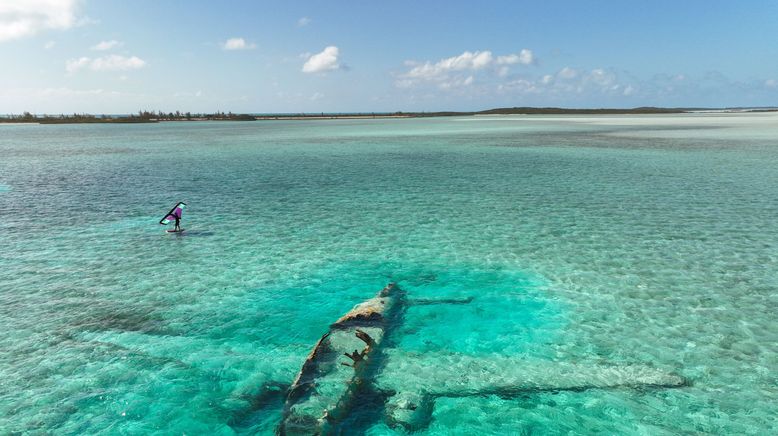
(594, 241)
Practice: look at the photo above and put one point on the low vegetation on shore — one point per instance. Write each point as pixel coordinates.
(159, 116)
(140, 117)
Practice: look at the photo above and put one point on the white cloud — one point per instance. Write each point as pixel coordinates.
(771, 83)
(327, 60)
(457, 82)
(482, 74)
(49, 45)
(523, 86)
(524, 57)
(74, 65)
(404, 83)
(21, 18)
(238, 44)
(458, 70)
(602, 78)
(117, 63)
(105, 63)
(304, 21)
(465, 61)
(567, 73)
(317, 96)
(569, 83)
(106, 45)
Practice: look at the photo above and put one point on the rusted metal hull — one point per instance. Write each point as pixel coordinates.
(321, 393)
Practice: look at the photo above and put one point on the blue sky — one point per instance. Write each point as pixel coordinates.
(118, 57)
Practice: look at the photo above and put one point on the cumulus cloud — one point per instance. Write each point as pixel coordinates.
(598, 81)
(21, 18)
(105, 63)
(457, 82)
(74, 65)
(600, 77)
(304, 21)
(567, 73)
(482, 73)
(522, 86)
(569, 85)
(458, 70)
(524, 57)
(327, 60)
(106, 45)
(117, 63)
(466, 61)
(238, 44)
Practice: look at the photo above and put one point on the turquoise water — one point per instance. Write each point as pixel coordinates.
(588, 241)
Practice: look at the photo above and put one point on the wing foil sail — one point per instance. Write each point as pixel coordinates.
(176, 212)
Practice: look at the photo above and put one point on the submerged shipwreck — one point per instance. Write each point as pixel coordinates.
(323, 392)
(354, 367)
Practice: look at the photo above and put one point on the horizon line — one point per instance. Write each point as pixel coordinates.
(384, 112)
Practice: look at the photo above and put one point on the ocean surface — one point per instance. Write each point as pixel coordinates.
(596, 242)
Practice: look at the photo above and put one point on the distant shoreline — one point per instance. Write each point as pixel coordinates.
(157, 117)
(332, 116)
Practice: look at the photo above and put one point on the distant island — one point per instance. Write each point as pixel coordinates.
(159, 116)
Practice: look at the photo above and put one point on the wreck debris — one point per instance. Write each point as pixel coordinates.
(414, 385)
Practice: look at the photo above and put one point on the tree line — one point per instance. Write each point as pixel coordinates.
(142, 116)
